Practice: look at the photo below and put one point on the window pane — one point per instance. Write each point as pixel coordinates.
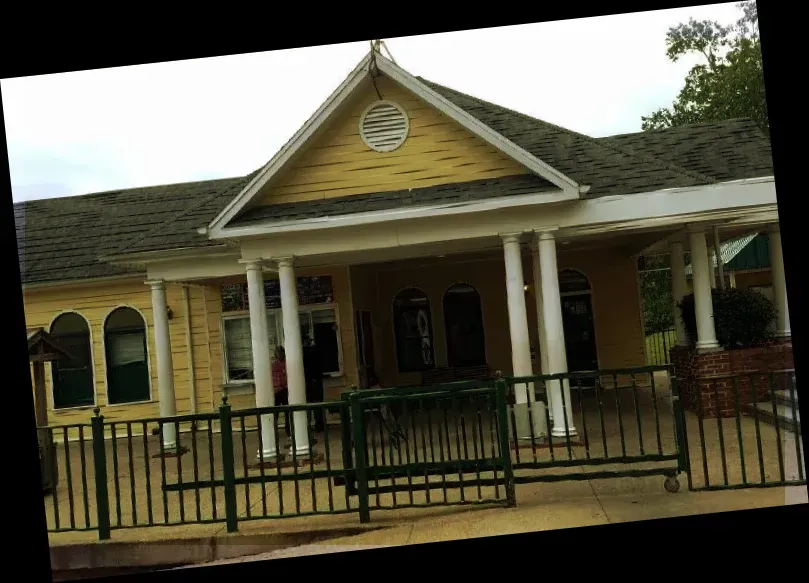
(324, 316)
(238, 348)
(126, 348)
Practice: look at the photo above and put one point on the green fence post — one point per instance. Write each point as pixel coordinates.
(345, 438)
(228, 473)
(680, 430)
(100, 464)
(359, 456)
(505, 449)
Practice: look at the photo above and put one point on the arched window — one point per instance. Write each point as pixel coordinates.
(463, 322)
(413, 327)
(127, 357)
(73, 378)
(572, 281)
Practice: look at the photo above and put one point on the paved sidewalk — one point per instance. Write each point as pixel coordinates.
(545, 507)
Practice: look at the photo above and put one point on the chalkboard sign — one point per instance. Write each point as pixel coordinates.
(311, 290)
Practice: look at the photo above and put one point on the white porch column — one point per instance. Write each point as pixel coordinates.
(555, 335)
(543, 339)
(262, 371)
(293, 347)
(679, 288)
(165, 367)
(703, 302)
(779, 284)
(518, 328)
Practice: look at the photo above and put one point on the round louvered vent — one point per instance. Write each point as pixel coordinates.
(384, 126)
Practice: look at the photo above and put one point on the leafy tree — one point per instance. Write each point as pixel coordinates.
(655, 290)
(728, 84)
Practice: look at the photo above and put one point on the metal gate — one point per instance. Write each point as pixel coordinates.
(429, 447)
(611, 424)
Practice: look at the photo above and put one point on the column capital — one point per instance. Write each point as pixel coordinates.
(288, 261)
(515, 237)
(156, 283)
(252, 264)
(545, 234)
(697, 229)
(774, 229)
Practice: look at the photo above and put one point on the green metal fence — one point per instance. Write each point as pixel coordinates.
(612, 423)
(415, 447)
(744, 431)
(459, 443)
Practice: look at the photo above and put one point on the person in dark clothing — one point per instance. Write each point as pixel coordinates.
(313, 371)
(279, 383)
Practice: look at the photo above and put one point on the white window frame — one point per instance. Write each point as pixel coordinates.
(276, 313)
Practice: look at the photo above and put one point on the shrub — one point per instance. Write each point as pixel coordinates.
(743, 318)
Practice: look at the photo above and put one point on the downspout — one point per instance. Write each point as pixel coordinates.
(189, 343)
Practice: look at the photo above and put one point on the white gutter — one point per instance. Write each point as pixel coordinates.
(189, 342)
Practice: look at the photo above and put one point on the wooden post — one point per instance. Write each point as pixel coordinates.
(40, 395)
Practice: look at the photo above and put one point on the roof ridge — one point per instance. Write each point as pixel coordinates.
(683, 127)
(193, 206)
(592, 140)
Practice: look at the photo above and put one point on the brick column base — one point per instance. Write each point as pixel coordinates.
(715, 383)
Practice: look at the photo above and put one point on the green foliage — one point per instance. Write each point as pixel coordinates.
(728, 84)
(655, 291)
(743, 318)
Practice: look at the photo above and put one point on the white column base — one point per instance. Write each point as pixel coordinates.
(269, 447)
(169, 436)
(562, 402)
(560, 432)
(300, 452)
(706, 346)
(268, 456)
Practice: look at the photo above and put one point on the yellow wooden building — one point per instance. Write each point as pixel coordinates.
(410, 231)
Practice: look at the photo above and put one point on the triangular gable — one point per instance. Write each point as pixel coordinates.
(351, 84)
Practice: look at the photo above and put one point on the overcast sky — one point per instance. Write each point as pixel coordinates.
(92, 131)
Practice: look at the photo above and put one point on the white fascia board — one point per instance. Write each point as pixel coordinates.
(297, 141)
(377, 217)
(650, 209)
(478, 128)
(402, 77)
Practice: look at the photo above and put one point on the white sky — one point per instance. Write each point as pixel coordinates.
(92, 131)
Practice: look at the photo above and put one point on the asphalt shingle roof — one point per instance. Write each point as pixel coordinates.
(443, 194)
(62, 239)
(727, 150)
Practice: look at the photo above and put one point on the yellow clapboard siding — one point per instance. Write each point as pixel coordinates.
(438, 151)
(95, 302)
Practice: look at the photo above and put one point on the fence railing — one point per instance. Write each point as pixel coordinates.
(467, 442)
(596, 419)
(743, 431)
(659, 345)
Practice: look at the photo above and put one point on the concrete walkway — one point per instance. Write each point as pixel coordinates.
(545, 507)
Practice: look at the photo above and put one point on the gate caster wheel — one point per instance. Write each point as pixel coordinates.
(672, 484)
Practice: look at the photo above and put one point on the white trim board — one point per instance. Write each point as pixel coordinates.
(654, 210)
(584, 217)
(343, 92)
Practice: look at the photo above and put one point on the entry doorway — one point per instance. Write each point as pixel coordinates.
(577, 320)
(365, 349)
